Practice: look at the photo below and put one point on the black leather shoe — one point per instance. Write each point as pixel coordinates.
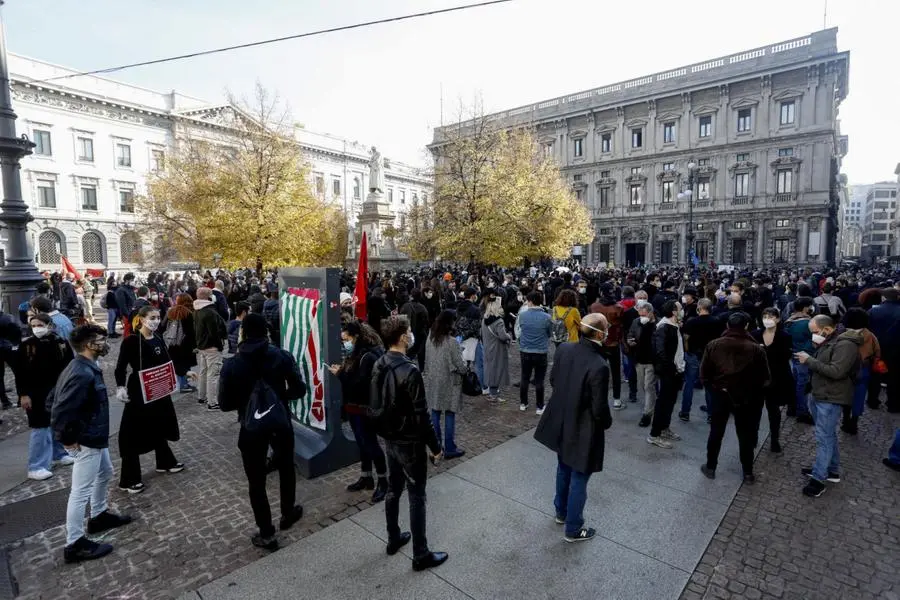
(709, 473)
(394, 547)
(267, 543)
(749, 479)
(106, 521)
(380, 490)
(288, 520)
(430, 560)
(84, 549)
(363, 483)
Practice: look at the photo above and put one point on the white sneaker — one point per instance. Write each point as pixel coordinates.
(668, 434)
(65, 461)
(40, 474)
(539, 412)
(660, 442)
(523, 407)
(617, 404)
(485, 392)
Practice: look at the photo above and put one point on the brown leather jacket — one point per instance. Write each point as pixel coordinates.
(735, 362)
(613, 313)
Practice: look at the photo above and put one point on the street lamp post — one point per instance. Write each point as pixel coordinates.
(688, 194)
(19, 275)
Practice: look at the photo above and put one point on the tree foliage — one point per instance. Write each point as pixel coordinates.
(245, 196)
(497, 199)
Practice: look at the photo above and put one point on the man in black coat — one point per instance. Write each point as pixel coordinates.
(257, 359)
(574, 422)
(417, 314)
(125, 299)
(668, 364)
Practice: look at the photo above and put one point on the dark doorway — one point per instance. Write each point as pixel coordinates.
(665, 253)
(738, 252)
(604, 253)
(634, 254)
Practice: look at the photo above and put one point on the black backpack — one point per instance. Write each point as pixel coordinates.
(380, 408)
(265, 413)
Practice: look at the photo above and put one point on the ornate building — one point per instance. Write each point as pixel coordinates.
(97, 140)
(760, 128)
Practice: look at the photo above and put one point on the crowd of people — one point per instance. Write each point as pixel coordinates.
(824, 345)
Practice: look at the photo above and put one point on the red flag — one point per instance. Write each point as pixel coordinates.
(68, 268)
(362, 279)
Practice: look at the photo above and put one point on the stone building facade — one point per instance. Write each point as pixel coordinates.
(98, 139)
(761, 127)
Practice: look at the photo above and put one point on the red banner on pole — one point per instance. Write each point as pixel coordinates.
(360, 295)
(158, 382)
(68, 268)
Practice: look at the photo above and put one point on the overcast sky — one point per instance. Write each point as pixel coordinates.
(382, 85)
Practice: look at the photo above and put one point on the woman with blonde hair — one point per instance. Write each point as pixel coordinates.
(496, 349)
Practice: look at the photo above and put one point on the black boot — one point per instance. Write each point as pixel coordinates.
(363, 483)
(380, 490)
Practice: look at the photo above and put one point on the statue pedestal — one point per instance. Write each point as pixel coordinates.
(375, 216)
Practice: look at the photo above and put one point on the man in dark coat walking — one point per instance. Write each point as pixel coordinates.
(574, 422)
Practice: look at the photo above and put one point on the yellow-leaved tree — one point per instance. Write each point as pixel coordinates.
(244, 196)
(497, 199)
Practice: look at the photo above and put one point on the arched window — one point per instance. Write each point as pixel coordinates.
(130, 247)
(92, 248)
(50, 247)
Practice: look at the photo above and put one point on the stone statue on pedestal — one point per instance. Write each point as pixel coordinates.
(376, 172)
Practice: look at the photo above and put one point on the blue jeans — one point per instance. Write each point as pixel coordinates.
(112, 315)
(827, 417)
(182, 382)
(894, 452)
(479, 363)
(801, 378)
(691, 374)
(449, 439)
(42, 449)
(90, 482)
(571, 495)
(861, 390)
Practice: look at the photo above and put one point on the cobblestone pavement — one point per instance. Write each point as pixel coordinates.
(775, 542)
(194, 526)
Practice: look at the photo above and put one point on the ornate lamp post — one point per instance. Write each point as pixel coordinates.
(19, 275)
(688, 194)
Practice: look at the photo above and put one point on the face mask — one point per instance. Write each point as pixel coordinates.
(769, 323)
(582, 290)
(645, 320)
(412, 339)
(818, 339)
(519, 297)
(428, 295)
(40, 332)
(348, 345)
(154, 297)
(680, 315)
(152, 324)
(685, 300)
(102, 349)
(540, 288)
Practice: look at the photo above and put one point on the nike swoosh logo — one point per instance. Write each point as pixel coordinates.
(258, 415)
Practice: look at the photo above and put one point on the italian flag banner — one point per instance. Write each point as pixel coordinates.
(302, 324)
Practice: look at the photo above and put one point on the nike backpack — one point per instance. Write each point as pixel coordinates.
(266, 413)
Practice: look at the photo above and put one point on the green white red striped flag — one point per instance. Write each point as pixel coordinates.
(302, 324)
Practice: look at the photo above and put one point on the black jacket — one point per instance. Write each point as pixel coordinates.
(257, 301)
(258, 359)
(778, 356)
(468, 321)
(642, 353)
(68, 299)
(418, 321)
(665, 346)
(80, 413)
(577, 415)
(40, 363)
(661, 298)
(406, 418)
(377, 310)
(221, 304)
(356, 378)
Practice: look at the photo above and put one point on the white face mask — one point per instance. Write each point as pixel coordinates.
(645, 320)
(684, 300)
(40, 332)
(152, 324)
(428, 295)
(769, 323)
(412, 339)
(680, 315)
(818, 339)
(154, 297)
(582, 290)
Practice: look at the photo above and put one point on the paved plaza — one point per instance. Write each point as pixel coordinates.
(664, 530)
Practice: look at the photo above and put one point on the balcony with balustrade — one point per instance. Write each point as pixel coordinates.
(742, 200)
(635, 208)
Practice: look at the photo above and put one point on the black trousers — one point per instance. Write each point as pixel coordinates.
(669, 386)
(773, 409)
(370, 451)
(407, 467)
(746, 424)
(533, 363)
(254, 450)
(614, 357)
(131, 464)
